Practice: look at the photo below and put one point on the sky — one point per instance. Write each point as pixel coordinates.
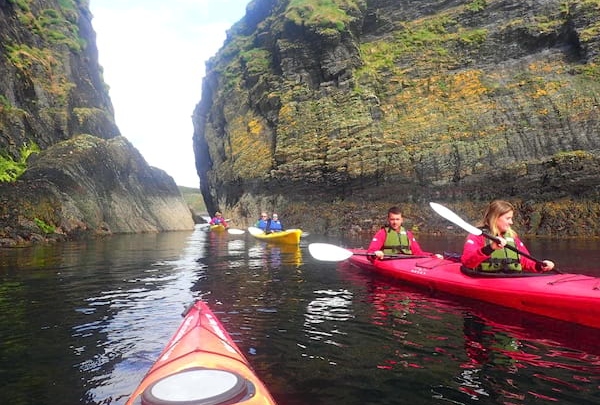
(153, 55)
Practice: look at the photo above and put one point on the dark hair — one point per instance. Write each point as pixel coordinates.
(395, 210)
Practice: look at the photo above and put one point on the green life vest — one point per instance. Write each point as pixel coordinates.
(502, 260)
(396, 242)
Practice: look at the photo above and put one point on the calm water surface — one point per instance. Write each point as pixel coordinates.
(80, 323)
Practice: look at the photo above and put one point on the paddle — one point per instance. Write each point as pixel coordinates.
(208, 219)
(234, 231)
(332, 253)
(452, 217)
(255, 231)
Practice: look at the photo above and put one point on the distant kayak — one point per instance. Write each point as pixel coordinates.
(289, 236)
(201, 365)
(217, 228)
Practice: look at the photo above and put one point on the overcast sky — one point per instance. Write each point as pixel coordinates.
(153, 54)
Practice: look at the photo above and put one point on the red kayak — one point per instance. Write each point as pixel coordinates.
(201, 365)
(569, 297)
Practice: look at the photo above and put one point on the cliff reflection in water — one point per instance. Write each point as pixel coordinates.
(500, 345)
(81, 323)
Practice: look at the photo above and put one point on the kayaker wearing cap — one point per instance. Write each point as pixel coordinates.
(393, 238)
(482, 254)
(218, 220)
(275, 225)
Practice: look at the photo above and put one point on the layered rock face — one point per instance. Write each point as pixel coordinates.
(338, 111)
(90, 185)
(50, 80)
(81, 177)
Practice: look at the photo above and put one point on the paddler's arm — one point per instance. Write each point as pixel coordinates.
(475, 250)
(377, 244)
(532, 265)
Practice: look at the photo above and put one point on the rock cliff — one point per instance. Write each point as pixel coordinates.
(337, 110)
(64, 168)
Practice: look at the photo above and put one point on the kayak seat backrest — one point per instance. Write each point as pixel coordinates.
(452, 256)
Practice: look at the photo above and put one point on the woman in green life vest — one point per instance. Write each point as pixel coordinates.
(485, 255)
(394, 239)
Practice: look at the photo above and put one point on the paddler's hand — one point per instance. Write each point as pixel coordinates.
(547, 265)
(378, 254)
(499, 243)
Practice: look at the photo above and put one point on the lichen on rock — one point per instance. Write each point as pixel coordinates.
(374, 103)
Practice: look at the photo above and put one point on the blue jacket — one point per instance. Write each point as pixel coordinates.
(262, 224)
(275, 225)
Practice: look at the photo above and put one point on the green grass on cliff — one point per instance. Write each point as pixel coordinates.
(55, 26)
(11, 169)
(193, 198)
(320, 13)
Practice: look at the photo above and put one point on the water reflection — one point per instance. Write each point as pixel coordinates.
(328, 305)
(500, 345)
(84, 307)
(264, 254)
(82, 323)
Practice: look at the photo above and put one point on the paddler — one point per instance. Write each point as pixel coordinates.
(392, 238)
(486, 255)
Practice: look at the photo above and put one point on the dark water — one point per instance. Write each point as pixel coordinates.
(80, 323)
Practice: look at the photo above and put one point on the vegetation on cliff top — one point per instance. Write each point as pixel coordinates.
(321, 15)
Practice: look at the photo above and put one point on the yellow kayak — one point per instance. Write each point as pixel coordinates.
(289, 236)
(217, 228)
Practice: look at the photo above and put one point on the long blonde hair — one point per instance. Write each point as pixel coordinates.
(496, 209)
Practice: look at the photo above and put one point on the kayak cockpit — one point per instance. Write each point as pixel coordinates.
(199, 386)
(480, 274)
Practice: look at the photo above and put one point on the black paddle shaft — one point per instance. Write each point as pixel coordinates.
(514, 249)
(392, 256)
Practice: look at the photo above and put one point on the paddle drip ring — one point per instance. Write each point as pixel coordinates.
(198, 386)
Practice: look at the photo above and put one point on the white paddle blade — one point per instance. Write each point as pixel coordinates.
(203, 226)
(328, 253)
(254, 230)
(452, 217)
(236, 231)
